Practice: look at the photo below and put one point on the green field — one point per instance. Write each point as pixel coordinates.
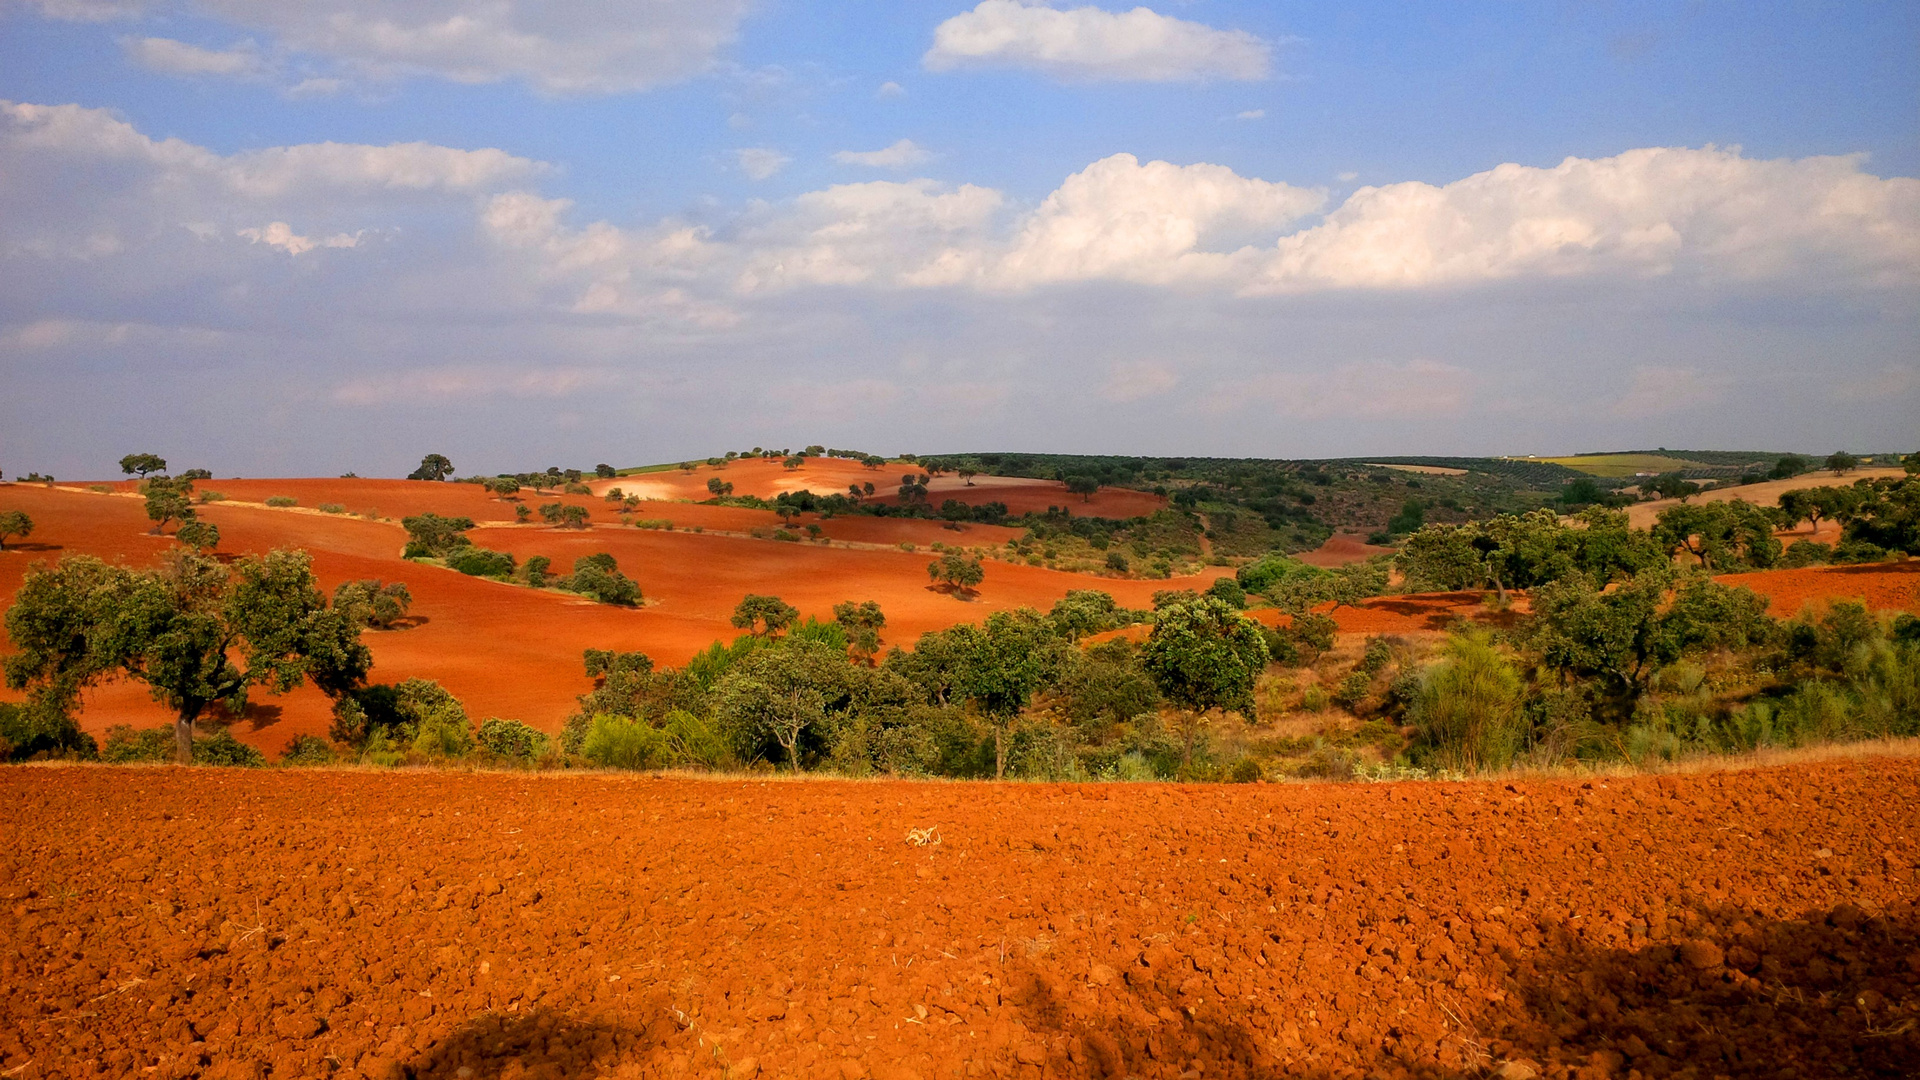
(1614, 466)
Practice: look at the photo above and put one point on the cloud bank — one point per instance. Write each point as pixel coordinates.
(1088, 43)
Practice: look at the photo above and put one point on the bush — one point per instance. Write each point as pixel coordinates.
(282, 500)
(479, 562)
(1806, 553)
(1469, 709)
(126, 745)
(35, 729)
(616, 742)
(1245, 771)
(577, 489)
(598, 577)
(332, 508)
(221, 748)
(307, 750)
(511, 739)
(1117, 562)
(213, 496)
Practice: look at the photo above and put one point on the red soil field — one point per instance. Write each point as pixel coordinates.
(514, 652)
(221, 924)
(1341, 550)
(1881, 586)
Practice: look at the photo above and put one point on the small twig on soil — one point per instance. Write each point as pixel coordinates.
(924, 837)
(121, 989)
(1888, 1033)
(18, 1069)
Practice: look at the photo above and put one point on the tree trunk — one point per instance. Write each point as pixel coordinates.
(1186, 751)
(183, 740)
(999, 752)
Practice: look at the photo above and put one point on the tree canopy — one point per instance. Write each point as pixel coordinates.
(432, 467)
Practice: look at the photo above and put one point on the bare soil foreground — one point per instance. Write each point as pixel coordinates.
(196, 923)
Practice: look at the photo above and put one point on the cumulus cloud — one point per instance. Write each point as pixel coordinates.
(1647, 213)
(761, 163)
(281, 235)
(170, 57)
(1141, 45)
(901, 155)
(557, 46)
(881, 232)
(1120, 219)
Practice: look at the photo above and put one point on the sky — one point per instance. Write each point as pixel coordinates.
(306, 237)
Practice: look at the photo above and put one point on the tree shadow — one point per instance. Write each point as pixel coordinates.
(541, 1043)
(1834, 992)
(404, 622)
(1906, 566)
(31, 545)
(259, 713)
(958, 592)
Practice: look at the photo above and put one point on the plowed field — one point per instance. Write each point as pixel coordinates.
(194, 923)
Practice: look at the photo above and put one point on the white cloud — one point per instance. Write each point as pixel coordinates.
(901, 155)
(557, 46)
(880, 232)
(1649, 212)
(760, 163)
(170, 57)
(1119, 219)
(890, 89)
(1088, 43)
(1251, 114)
(281, 235)
(1347, 177)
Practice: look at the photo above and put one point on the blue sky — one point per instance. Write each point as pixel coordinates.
(280, 237)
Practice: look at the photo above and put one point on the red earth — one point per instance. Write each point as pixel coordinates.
(229, 924)
(514, 652)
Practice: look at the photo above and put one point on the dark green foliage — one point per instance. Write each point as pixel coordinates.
(535, 570)
(168, 500)
(764, 615)
(1104, 686)
(42, 728)
(433, 536)
(14, 523)
(511, 739)
(1204, 655)
(143, 464)
(1887, 515)
(307, 750)
(221, 748)
(597, 576)
(862, 623)
(432, 467)
(958, 571)
(1412, 515)
(372, 602)
(481, 562)
(202, 536)
(1723, 536)
(126, 746)
(1228, 590)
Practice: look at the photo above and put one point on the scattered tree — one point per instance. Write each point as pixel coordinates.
(863, 623)
(432, 536)
(202, 536)
(14, 523)
(967, 473)
(167, 501)
(1000, 667)
(1204, 655)
(432, 467)
(1842, 462)
(599, 577)
(142, 464)
(605, 471)
(719, 488)
(372, 602)
(764, 616)
(1083, 486)
(180, 629)
(957, 571)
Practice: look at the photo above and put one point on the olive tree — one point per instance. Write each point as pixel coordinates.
(195, 631)
(764, 616)
(14, 523)
(1204, 655)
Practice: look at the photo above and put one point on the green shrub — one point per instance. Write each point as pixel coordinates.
(597, 576)
(577, 489)
(332, 508)
(616, 742)
(1806, 553)
(652, 523)
(212, 497)
(35, 729)
(536, 571)
(1353, 689)
(1469, 709)
(1117, 562)
(221, 748)
(480, 562)
(126, 745)
(1246, 771)
(511, 739)
(282, 500)
(307, 750)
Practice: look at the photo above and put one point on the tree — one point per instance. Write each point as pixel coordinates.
(14, 523)
(719, 488)
(550, 512)
(1622, 636)
(781, 693)
(1001, 665)
(1671, 486)
(432, 536)
(573, 516)
(1085, 611)
(1788, 467)
(1083, 486)
(197, 474)
(967, 473)
(504, 487)
(599, 577)
(432, 467)
(179, 629)
(1842, 462)
(957, 571)
(605, 471)
(1204, 655)
(143, 464)
(863, 623)
(167, 500)
(764, 616)
(1813, 504)
(1722, 535)
(372, 602)
(202, 536)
